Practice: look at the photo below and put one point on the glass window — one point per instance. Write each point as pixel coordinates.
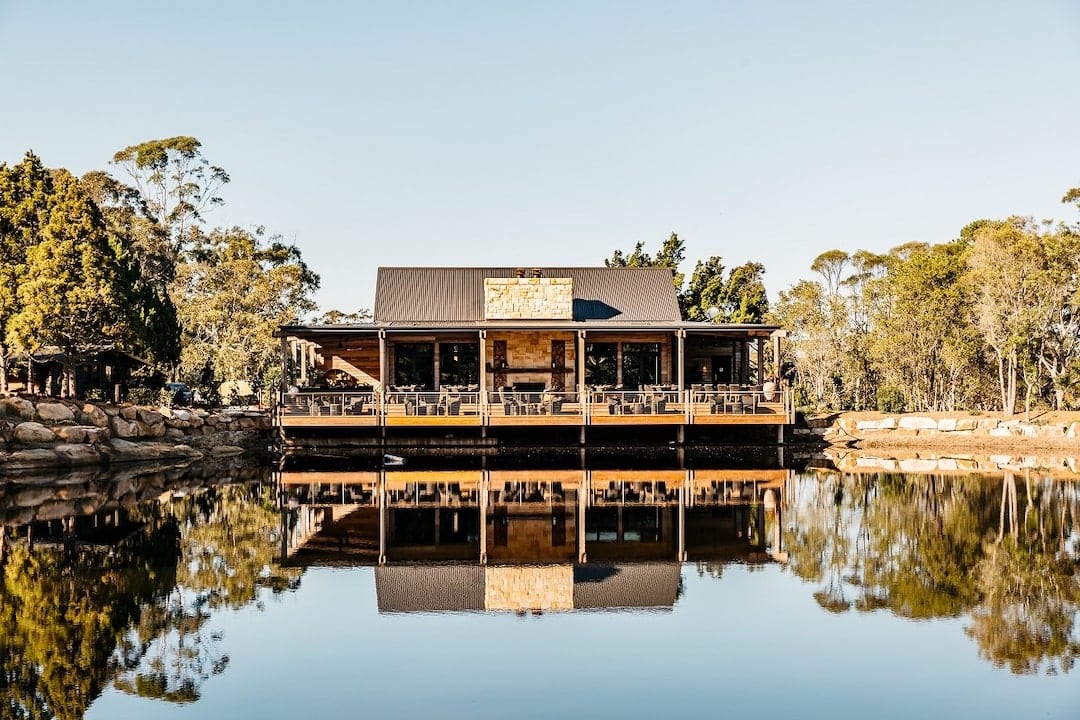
(459, 363)
(641, 364)
(601, 363)
(414, 364)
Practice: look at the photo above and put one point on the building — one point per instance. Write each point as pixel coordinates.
(490, 347)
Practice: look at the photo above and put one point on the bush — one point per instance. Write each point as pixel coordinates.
(890, 400)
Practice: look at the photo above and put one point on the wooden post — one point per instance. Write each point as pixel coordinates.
(760, 379)
(680, 354)
(382, 517)
(303, 362)
(284, 363)
(382, 360)
(485, 484)
(583, 494)
(483, 376)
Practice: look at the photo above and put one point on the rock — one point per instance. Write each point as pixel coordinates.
(966, 424)
(176, 423)
(17, 407)
(1000, 432)
(77, 454)
(888, 423)
(111, 411)
(866, 425)
(175, 435)
(71, 433)
(916, 422)
(38, 457)
(166, 412)
(124, 428)
(196, 421)
(97, 435)
(1074, 430)
(95, 415)
(946, 424)
(947, 464)
(129, 413)
(54, 412)
(225, 450)
(32, 497)
(987, 423)
(148, 430)
(32, 432)
(22, 516)
(918, 465)
(150, 417)
(181, 415)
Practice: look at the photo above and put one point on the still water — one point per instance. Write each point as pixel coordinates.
(599, 584)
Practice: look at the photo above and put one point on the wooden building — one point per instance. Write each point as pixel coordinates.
(484, 347)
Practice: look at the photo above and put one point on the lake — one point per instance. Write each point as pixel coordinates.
(629, 582)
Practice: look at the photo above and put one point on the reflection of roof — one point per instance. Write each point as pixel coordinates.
(636, 585)
(449, 588)
(432, 588)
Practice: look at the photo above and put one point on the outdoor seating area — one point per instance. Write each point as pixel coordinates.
(467, 405)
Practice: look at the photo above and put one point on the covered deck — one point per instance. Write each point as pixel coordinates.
(497, 374)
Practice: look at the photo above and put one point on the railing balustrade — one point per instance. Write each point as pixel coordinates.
(505, 405)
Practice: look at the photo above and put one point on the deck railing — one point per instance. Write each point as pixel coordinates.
(508, 407)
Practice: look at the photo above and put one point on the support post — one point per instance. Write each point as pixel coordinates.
(682, 524)
(483, 378)
(583, 398)
(485, 485)
(680, 354)
(382, 360)
(583, 493)
(284, 384)
(382, 517)
(303, 362)
(760, 379)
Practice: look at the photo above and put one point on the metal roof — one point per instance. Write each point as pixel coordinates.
(445, 295)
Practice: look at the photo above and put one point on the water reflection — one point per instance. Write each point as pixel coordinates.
(122, 588)
(540, 540)
(118, 582)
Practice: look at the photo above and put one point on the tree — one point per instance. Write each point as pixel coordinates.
(235, 292)
(25, 196)
(176, 183)
(671, 254)
(739, 298)
(337, 317)
(1010, 273)
(70, 295)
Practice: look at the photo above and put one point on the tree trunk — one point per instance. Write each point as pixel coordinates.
(1010, 406)
(3, 369)
(1001, 380)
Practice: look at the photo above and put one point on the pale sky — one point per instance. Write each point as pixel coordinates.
(528, 133)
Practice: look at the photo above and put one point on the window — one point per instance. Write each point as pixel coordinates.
(414, 364)
(601, 363)
(641, 364)
(459, 363)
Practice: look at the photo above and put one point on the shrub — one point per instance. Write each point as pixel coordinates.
(890, 400)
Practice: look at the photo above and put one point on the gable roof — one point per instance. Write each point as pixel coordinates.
(456, 294)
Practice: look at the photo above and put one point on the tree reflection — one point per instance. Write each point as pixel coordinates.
(933, 546)
(139, 615)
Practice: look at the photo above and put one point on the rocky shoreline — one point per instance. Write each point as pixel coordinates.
(45, 433)
(942, 430)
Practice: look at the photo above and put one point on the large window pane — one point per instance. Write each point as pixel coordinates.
(601, 363)
(459, 363)
(414, 364)
(641, 364)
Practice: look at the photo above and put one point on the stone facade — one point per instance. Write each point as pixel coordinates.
(532, 351)
(536, 298)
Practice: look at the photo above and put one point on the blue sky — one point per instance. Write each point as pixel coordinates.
(470, 133)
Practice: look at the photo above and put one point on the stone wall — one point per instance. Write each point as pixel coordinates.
(47, 432)
(532, 350)
(954, 427)
(537, 298)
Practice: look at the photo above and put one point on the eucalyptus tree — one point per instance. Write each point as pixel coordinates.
(235, 290)
(671, 254)
(175, 182)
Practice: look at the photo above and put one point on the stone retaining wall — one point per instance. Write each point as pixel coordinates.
(904, 428)
(48, 432)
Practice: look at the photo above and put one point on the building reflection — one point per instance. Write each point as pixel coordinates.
(530, 540)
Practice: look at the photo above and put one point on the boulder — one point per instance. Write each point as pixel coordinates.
(34, 496)
(32, 432)
(122, 428)
(95, 415)
(54, 412)
(867, 425)
(77, 454)
(71, 433)
(175, 435)
(38, 457)
(129, 413)
(97, 435)
(888, 423)
(150, 417)
(154, 430)
(946, 424)
(181, 415)
(963, 424)
(17, 407)
(916, 422)
(1000, 432)
(177, 423)
(196, 421)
